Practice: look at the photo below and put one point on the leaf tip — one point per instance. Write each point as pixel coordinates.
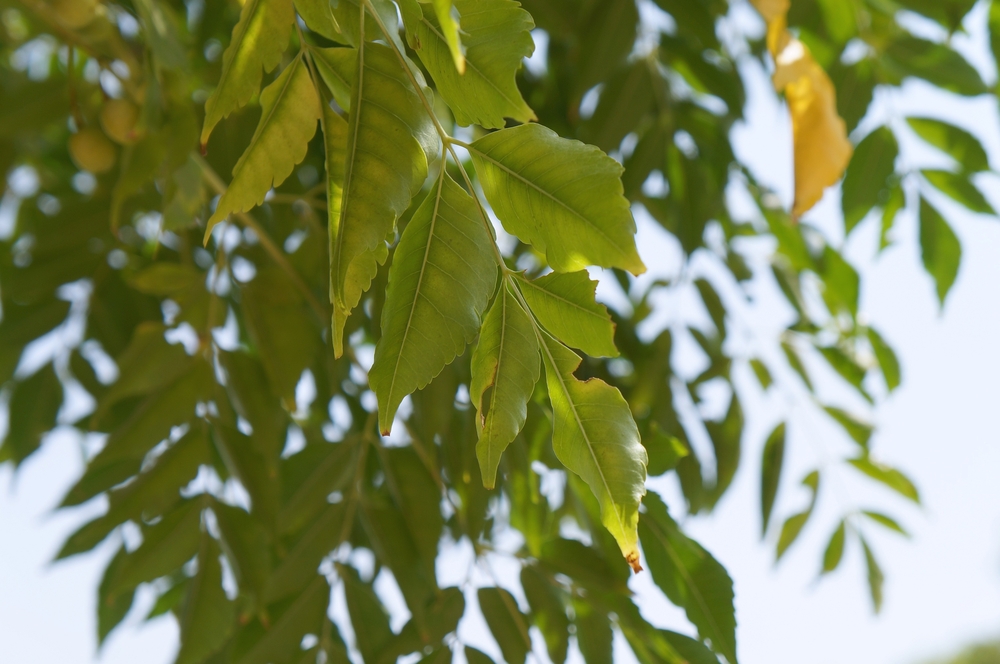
(633, 561)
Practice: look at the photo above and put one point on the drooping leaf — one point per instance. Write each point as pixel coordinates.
(505, 368)
(959, 188)
(496, 38)
(562, 196)
(508, 624)
(886, 359)
(389, 138)
(856, 428)
(886, 521)
(593, 633)
(584, 565)
(442, 275)
(33, 407)
(290, 109)
(300, 564)
(258, 41)
(794, 524)
(166, 546)
(762, 372)
(418, 496)
(770, 473)
(959, 144)
(663, 450)
(893, 206)
(548, 612)
(888, 476)
(594, 435)
(113, 604)
(868, 175)
(936, 63)
(337, 67)
(564, 304)
(246, 543)
(371, 622)
(940, 249)
(834, 548)
(208, 617)
(875, 576)
(690, 577)
(283, 638)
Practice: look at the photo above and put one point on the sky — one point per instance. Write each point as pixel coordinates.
(942, 585)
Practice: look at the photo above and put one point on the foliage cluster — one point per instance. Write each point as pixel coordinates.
(443, 218)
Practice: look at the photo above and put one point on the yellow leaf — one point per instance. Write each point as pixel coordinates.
(822, 149)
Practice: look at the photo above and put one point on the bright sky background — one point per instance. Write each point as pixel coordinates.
(943, 585)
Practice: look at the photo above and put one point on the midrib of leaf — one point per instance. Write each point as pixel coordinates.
(349, 167)
(565, 301)
(531, 184)
(688, 581)
(496, 370)
(579, 422)
(266, 122)
(469, 63)
(420, 281)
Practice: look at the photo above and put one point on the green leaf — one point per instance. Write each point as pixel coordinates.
(948, 13)
(418, 496)
(663, 450)
(207, 617)
(847, 366)
(337, 67)
(565, 305)
(841, 283)
(959, 144)
(875, 576)
(886, 521)
(940, 248)
(505, 368)
(371, 622)
(258, 41)
(893, 206)
(793, 525)
(247, 547)
(389, 137)
(496, 35)
(445, 14)
(318, 16)
(548, 611)
(869, 175)
(112, 604)
(282, 329)
(166, 546)
(835, 548)
(935, 63)
(594, 436)
(761, 371)
(593, 633)
(257, 474)
(290, 109)
(772, 462)
(583, 564)
(508, 624)
(959, 188)
(148, 424)
(301, 564)
(690, 577)
(857, 429)
(609, 30)
(626, 98)
(443, 273)
(34, 404)
(283, 638)
(888, 476)
(473, 656)
(886, 359)
(795, 362)
(529, 173)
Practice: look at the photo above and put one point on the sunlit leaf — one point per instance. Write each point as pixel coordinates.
(940, 249)
(835, 548)
(258, 41)
(960, 188)
(888, 476)
(290, 109)
(794, 524)
(529, 173)
(564, 304)
(442, 275)
(594, 435)
(875, 577)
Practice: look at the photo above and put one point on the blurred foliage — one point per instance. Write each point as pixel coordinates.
(242, 461)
